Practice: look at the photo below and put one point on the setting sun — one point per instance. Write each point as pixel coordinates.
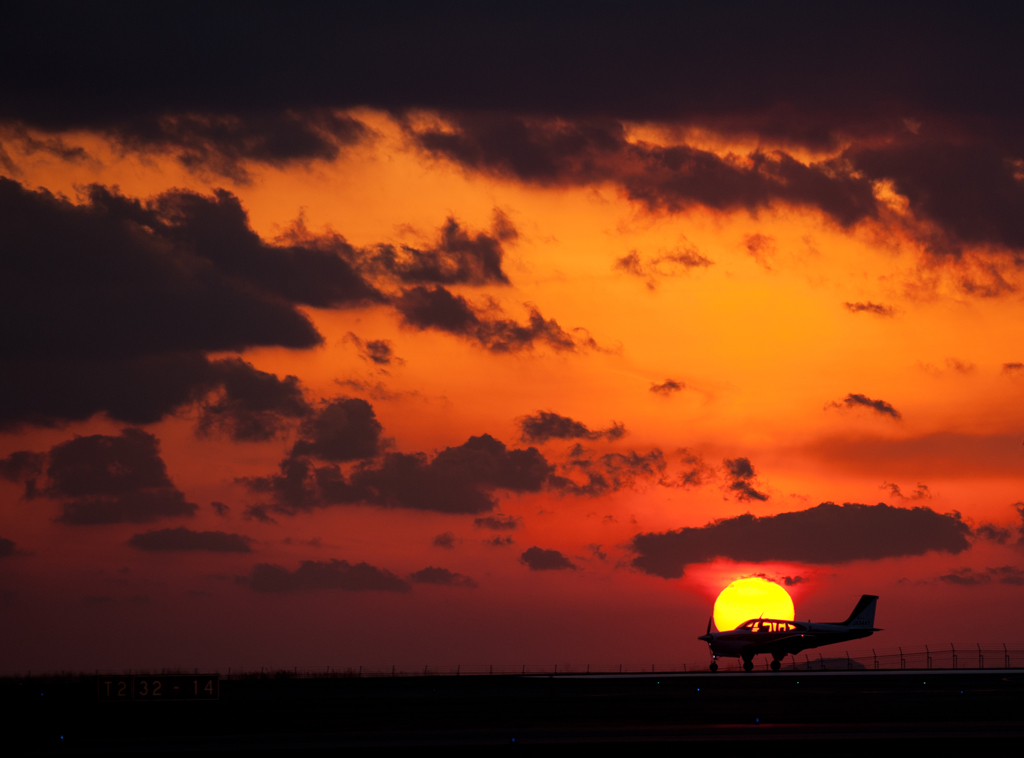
(750, 598)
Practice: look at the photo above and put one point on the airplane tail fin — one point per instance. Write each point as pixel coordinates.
(863, 615)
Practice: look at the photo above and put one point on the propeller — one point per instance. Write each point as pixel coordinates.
(709, 625)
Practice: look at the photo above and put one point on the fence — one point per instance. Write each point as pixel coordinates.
(949, 656)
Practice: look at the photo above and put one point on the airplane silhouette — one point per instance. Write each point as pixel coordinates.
(780, 638)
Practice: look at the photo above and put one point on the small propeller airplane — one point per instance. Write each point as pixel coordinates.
(780, 638)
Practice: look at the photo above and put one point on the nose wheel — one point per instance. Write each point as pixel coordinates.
(776, 665)
(748, 664)
(713, 667)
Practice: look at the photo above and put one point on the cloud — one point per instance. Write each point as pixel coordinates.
(445, 540)
(220, 508)
(761, 248)
(437, 308)
(742, 473)
(499, 541)
(120, 299)
(457, 257)
(956, 160)
(791, 581)
(825, 534)
(1012, 368)
(608, 473)
(873, 308)
(186, 539)
(344, 429)
(441, 576)
(969, 191)
(998, 534)
(6, 547)
(545, 425)
(457, 480)
(498, 522)
(23, 466)
(921, 492)
(854, 400)
(967, 577)
(676, 262)
(324, 575)
(539, 559)
(378, 352)
(108, 480)
(227, 144)
(252, 405)
(667, 387)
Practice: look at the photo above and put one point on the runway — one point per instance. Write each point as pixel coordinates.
(839, 711)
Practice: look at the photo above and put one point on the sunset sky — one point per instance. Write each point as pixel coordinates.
(386, 335)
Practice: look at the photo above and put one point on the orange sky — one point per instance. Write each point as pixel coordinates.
(760, 338)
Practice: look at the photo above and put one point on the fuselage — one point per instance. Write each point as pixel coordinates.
(779, 637)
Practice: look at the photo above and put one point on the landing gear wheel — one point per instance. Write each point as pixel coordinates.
(776, 665)
(713, 667)
(748, 665)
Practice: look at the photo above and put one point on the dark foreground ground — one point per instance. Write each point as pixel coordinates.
(844, 713)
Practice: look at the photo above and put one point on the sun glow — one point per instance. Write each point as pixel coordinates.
(751, 598)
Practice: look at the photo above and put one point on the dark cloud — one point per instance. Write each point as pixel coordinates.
(118, 301)
(608, 473)
(972, 192)
(107, 480)
(539, 559)
(445, 540)
(668, 264)
(23, 466)
(790, 581)
(1008, 575)
(761, 248)
(1010, 368)
(186, 539)
(456, 258)
(673, 178)
(6, 547)
(442, 576)
(742, 473)
(667, 387)
(695, 472)
(457, 480)
(928, 100)
(499, 541)
(854, 400)
(437, 308)
(498, 522)
(534, 59)
(324, 575)
(739, 468)
(825, 534)
(545, 425)
(1020, 529)
(921, 492)
(872, 308)
(251, 405)
(220, 508)
(967, 577)
(344, 429)
(225, 144)
(378, 352)
(998, 534)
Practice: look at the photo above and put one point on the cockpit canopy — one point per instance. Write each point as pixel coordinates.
(757, 626)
